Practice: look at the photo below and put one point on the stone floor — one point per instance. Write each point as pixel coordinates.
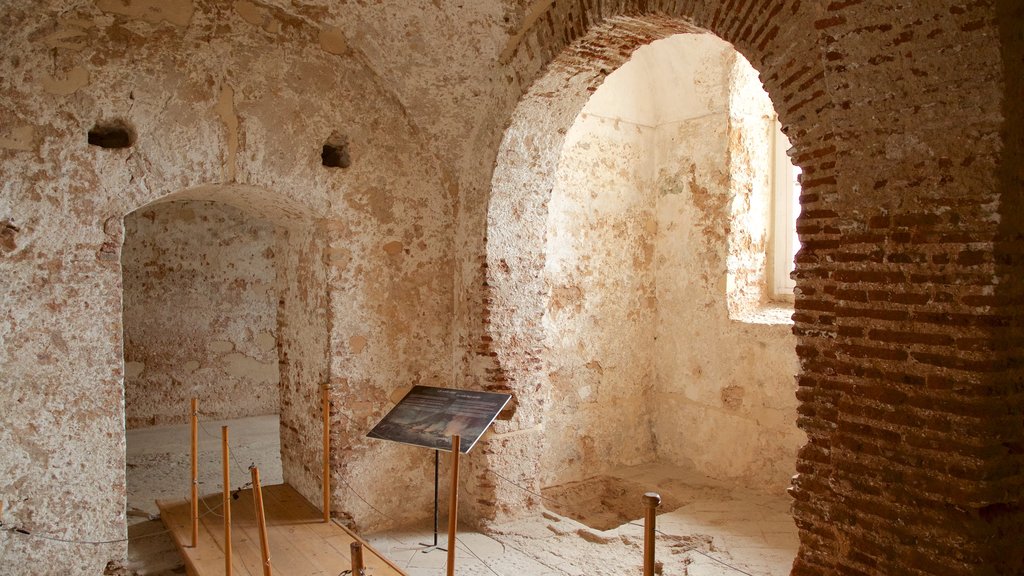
(713, 530)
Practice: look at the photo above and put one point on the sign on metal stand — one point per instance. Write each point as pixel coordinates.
(429, 417)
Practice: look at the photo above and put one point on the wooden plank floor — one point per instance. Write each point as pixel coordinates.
(301, 543)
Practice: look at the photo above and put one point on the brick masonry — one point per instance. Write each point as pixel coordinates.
(905, 116)
(908, 288)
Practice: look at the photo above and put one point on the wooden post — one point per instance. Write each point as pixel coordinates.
(195, 472)
(651, 502)
(225, 455)
(326, 401)
(453, 505)
(357, 558)
(257, 495)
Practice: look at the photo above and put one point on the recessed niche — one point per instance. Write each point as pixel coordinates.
(335, 152)
(112, 134)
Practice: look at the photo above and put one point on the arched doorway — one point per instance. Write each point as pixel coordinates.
(658, 223)
(516, 306)
(224, 299)
(656, 200)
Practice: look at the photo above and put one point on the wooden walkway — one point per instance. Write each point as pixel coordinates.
(301, 543)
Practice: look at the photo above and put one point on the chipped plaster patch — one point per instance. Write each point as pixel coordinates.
(251, 13)
(221, 346)
(177, 12)
(20, 138)
(242, 366)
(266, 341)
(134, 369)
(225, 109)
(357, 344)
(76, 79)
(257, 15)
(69, 36)
(333, 41)
(732, 397)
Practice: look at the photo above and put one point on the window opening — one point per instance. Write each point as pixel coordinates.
(786, 196)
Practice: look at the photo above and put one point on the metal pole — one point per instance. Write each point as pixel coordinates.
(453, 506)
(434, 546)
(437, 459)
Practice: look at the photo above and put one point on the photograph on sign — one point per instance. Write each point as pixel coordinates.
(429, 417)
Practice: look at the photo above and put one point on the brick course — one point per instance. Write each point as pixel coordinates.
(908, 299)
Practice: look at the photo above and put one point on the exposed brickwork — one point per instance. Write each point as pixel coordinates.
(908, 298)
(906, 119)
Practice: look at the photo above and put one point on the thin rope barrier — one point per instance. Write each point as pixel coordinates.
(477, 556)
(243, 470)
(23, 532)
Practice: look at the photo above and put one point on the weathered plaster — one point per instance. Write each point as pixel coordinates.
(177, 12)
(166, 78)
(600, 305)
(653, 196)
(902, 117)
(200, 313)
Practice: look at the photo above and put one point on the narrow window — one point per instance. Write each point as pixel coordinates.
(786, 200)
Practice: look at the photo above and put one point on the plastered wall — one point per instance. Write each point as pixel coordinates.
(232, 104)
(903, 117)
(601, 301)
(724, 401)
(660, 202)
(200, 313)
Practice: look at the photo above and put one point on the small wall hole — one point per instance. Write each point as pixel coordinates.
(112, 134)
(335, 152)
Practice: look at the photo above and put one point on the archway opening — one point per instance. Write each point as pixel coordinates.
(200, 320)
(660, 309)
(224, 300)
(636, 199)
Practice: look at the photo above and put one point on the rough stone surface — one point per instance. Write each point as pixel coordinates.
(904, 118)
(200, 313)
(662, 180)
(223, 111)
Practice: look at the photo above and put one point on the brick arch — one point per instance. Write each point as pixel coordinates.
(578, 46)
(903, 350)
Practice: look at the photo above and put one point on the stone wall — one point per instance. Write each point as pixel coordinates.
(200, 313)
(904, 117)
(600, 305)
(663, 178)
(304, 330)
(904, 355)
(228, 103)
